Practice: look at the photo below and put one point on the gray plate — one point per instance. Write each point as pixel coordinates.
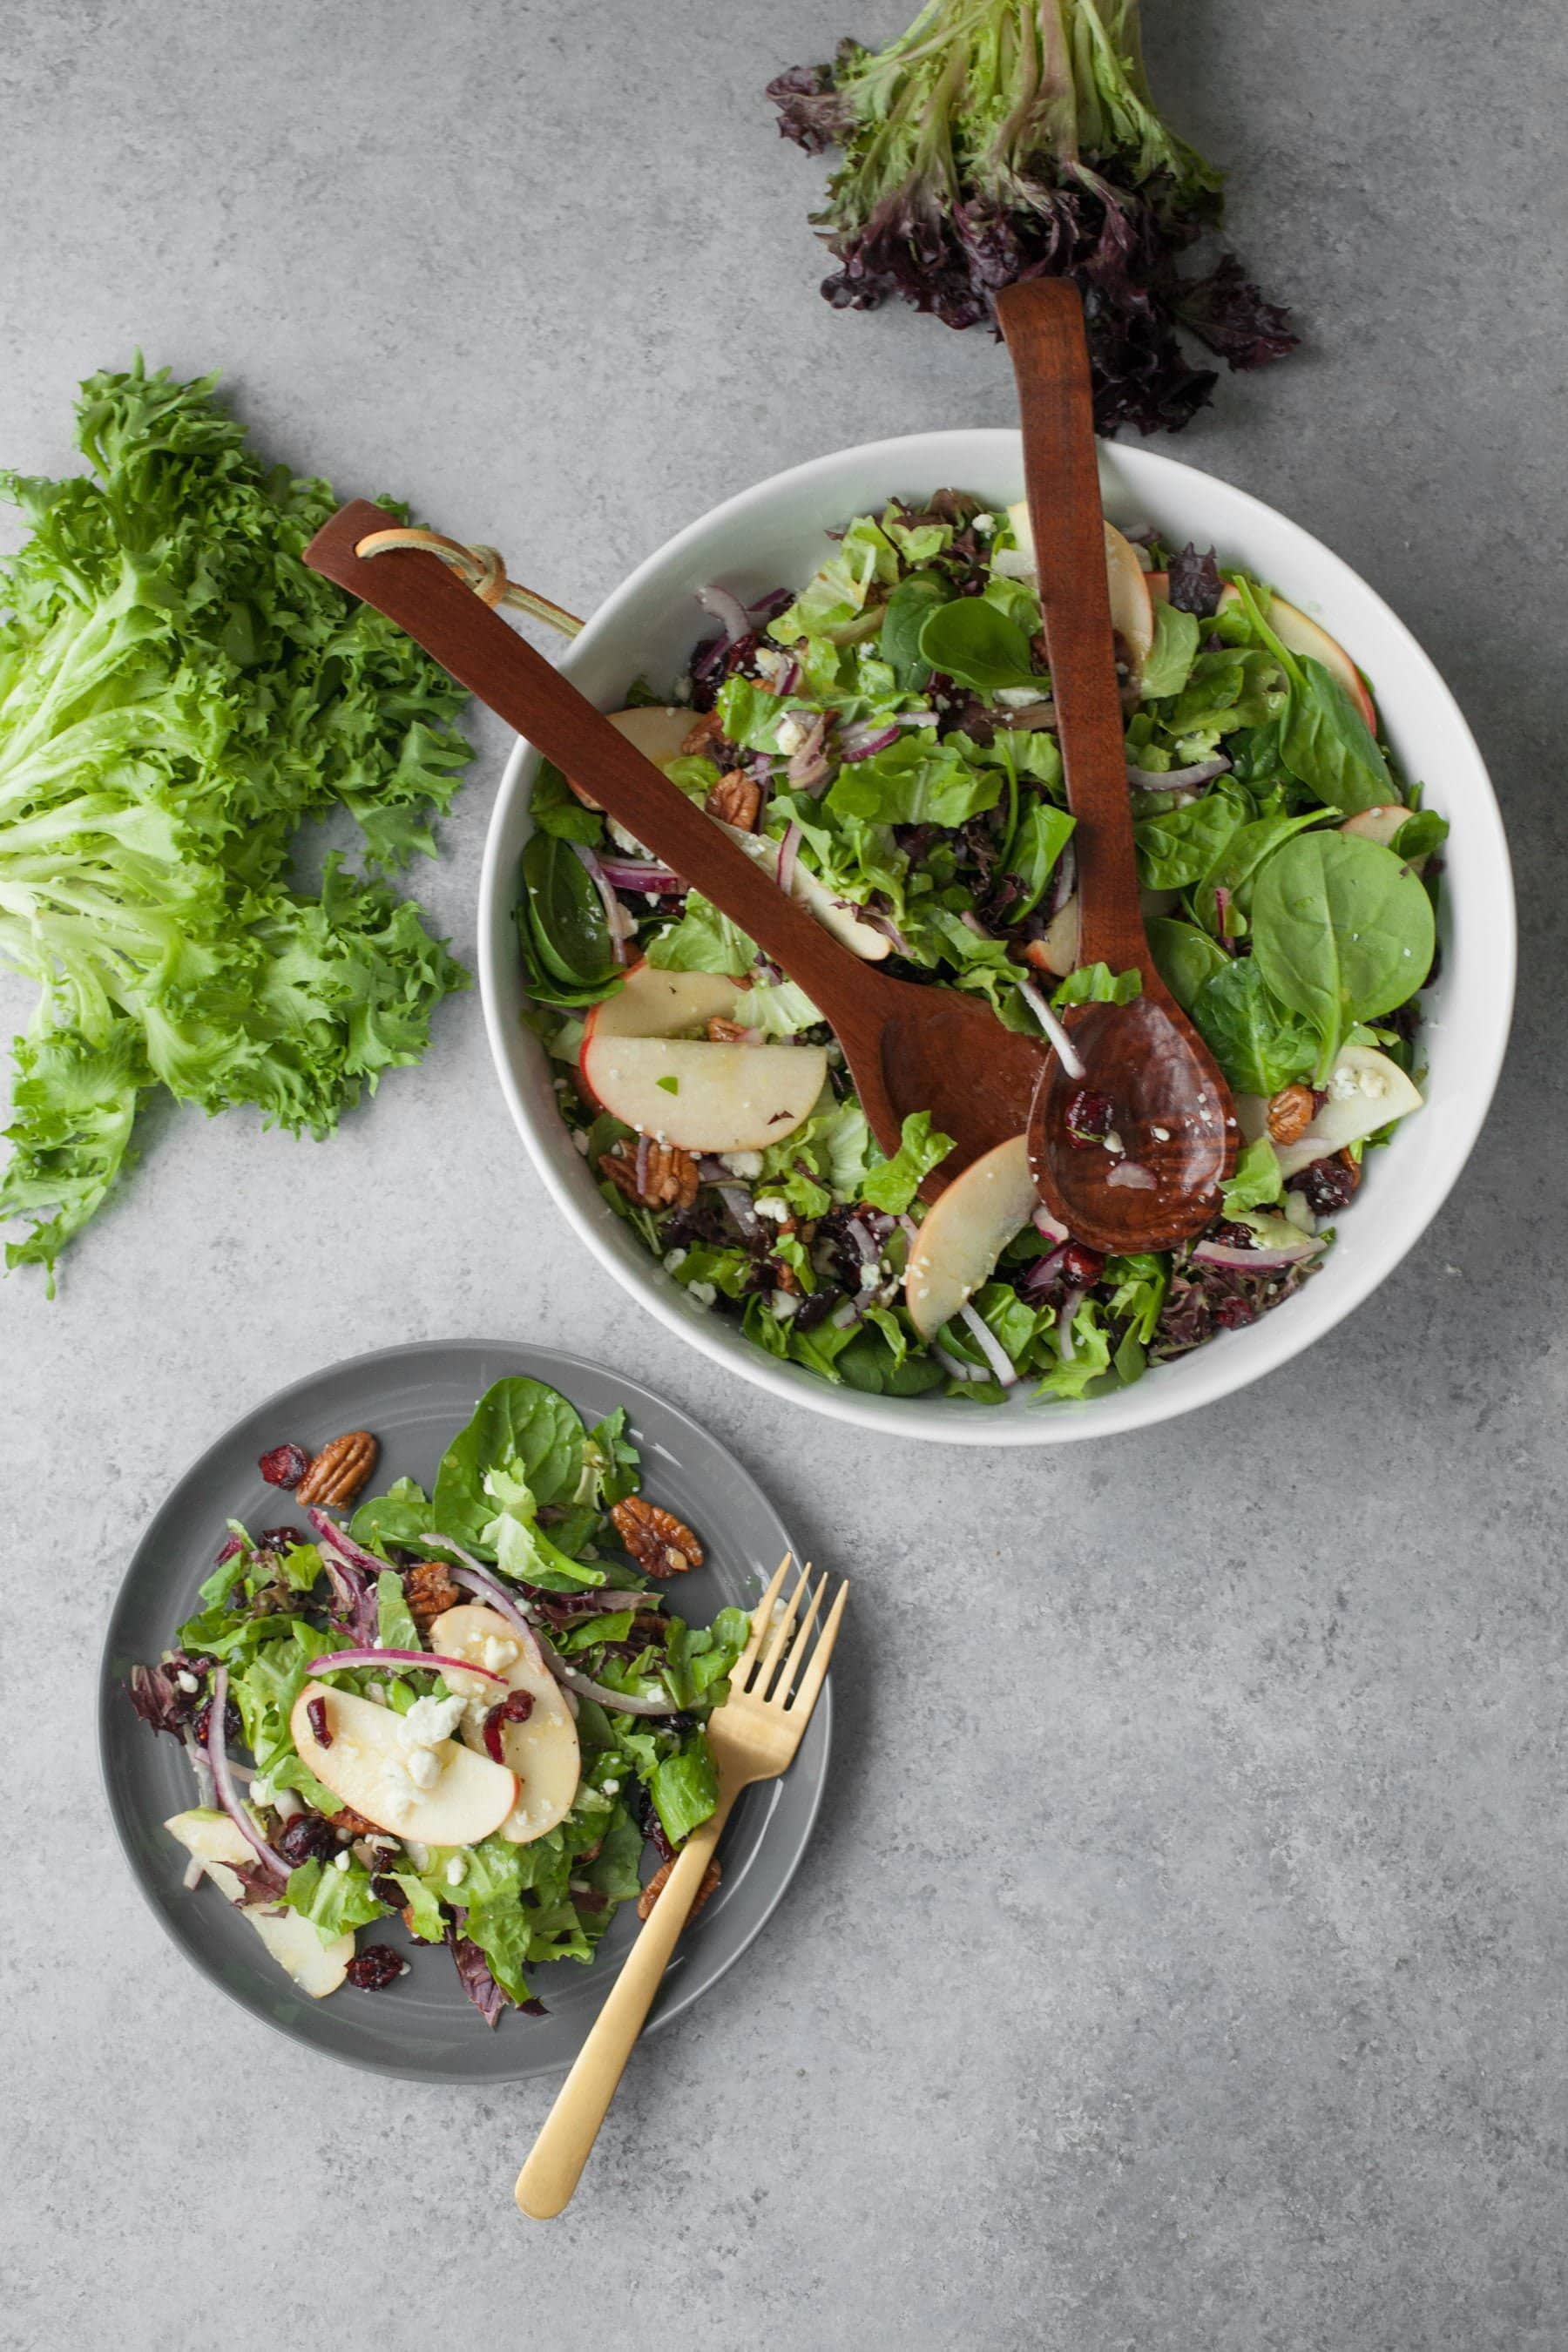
(414, 1399)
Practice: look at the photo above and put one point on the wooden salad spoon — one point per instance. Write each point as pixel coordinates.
(909, 1047)
(1172, 1124)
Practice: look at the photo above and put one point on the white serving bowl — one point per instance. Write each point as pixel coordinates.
(774, 536)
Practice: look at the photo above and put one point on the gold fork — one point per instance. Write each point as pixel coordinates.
(753, 1735)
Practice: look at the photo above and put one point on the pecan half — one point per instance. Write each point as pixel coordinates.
(1290, 1113)
(356, 1824)
(430, 1591)
(668, 1181)
(703, 732)
(655, 1539)
(730, 1033)
(340, 1469)
(735, 800)
(655, 1888)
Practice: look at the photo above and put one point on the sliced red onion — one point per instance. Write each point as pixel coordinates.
(1049, 1228)
(789, 677)
(728, 611)
(1221, 898)
(1256, 1261)
(885, 925)
(616, 916)
(1065, 1051)
(1045, 1270)
(1062, 884)
(431, 1658)
(809, 768)
(222, 1779)
(474, 1579)
(1069, 1308)
(954, 1365)
(338, 1539)
(641, 874)
(1133, 1177)
(1178, 779)
(738, 1201)
(860, 742)
(863, 1240)
(789, 850)
(615, 1702)
(990, 1346)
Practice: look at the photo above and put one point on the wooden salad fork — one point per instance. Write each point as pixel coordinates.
(910, 1047)
(754, 1736)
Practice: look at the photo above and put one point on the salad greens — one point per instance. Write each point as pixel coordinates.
(177, 693)
(1003, 139)
(530, 1490)
(894, 717)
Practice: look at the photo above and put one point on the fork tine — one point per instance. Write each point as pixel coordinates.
(798, 1648)
(804, 1698)
(760, 1619)
(775, 1648)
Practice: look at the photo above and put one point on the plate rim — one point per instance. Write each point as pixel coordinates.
(668, 2005)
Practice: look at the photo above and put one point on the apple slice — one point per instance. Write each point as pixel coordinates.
(705, 1097)
(1297, 632)
(654, 1004)
(316, 1967)
(1365, 1091)
(1131, 613)
(542, 1751)
(965, 1231)
(365, 1763)
(1056, 951)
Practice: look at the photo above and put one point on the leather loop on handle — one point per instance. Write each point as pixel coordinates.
(1042, 319)
(423, 596)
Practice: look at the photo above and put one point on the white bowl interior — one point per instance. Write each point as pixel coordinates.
(774, 535)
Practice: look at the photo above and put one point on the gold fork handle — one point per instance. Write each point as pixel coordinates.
(547, 2180)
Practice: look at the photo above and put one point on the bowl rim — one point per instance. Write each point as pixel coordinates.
(1194, 1380)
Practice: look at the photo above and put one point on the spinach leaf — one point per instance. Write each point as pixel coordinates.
(1184, 957)
(1236, 866)
(519, 1426)
(1327, 746)
(1342, 930)
(556, 808)
(565, 913)
(1168, 664)
(976, 646)
(1259, 1043)
(399, 1516)
(1044, 831)
(1420, 835)
(1177, 847)
(908, 610)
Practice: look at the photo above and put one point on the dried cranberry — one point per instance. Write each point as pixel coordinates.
(1234, 1235)
(285, 1465)
(280, 1539)
(307, 1838)
(517, 1709)
(1089, 1116)
(374, 1969)
(1233, 1313)
(316, 1708)
(387, 1890)
(1327, 1185)
(1080, 1265)
(227, 1553)
(233, 1729)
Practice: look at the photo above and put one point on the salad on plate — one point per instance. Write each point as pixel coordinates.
(473, 1708)
(883, 740)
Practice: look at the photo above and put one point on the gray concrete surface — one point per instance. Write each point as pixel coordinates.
(1181, 1963)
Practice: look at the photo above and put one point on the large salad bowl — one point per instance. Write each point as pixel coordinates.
(774, 535)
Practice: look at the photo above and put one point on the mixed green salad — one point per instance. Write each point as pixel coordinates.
(884, 740)
(466, 1707)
